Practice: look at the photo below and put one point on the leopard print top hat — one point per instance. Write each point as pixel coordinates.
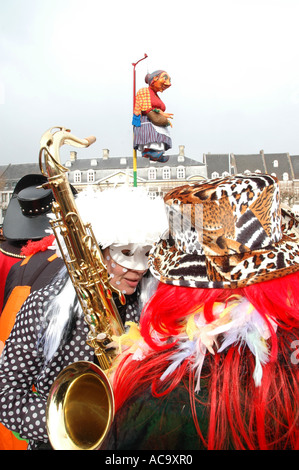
(226, 233)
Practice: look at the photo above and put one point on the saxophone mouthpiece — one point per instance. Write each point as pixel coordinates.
(91, 139)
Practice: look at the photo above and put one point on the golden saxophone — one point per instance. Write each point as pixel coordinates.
(80, 406)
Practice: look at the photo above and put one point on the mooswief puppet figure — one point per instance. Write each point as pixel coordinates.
(151, 123)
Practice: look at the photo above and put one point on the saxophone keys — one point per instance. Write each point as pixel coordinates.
(101, 336)
(108, 293)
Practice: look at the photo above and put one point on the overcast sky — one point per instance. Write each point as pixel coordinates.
(233, 63)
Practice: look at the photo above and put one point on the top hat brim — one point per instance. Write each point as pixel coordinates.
(18, 227)
(171, 265)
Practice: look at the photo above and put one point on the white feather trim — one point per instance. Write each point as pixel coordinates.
(59, 312)
(186, 349)
(246, 327)
(238, 323)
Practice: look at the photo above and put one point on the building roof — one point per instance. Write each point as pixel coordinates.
(272, 163)
(278, 163)
(217, 163)
(12, 173)
(249, 162)
(295, 165)
(117, 163)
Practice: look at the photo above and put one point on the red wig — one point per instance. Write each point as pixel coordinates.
(241, 415)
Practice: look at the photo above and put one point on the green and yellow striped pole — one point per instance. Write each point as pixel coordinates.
(134, 97)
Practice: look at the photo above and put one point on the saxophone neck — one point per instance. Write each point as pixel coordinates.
(50, 144)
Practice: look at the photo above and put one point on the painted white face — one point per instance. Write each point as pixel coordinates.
(131, 256)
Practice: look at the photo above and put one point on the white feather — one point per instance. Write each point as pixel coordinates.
(60, 311)
(247, 327)
(198, 363)
(186, 349)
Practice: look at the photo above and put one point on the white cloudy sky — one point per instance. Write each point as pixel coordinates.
(233, 63)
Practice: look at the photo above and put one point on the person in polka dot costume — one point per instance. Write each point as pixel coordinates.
(50, 331)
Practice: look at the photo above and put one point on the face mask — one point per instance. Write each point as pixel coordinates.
(131, 256)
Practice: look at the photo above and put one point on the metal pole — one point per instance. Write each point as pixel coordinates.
(134, 97)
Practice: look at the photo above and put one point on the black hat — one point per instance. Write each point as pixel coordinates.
(26, 216)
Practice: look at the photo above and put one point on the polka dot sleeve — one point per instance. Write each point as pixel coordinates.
(21, 409)
(22, 364)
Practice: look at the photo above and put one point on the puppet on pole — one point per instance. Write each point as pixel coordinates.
(150, 121)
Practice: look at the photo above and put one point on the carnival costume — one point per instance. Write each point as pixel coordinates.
(50, 331)
(25, 219)
(215, 356)
(151, 124)
(25, 261)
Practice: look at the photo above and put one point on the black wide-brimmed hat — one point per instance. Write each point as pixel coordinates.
(26, 216)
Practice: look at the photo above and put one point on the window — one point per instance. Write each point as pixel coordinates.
(275, 163)
(166, 173)
(90, 176)
(77, 176)
(225, 174)
(285, 176)
(152, 194)
(215, 175)
(180, 172)
(152, 174)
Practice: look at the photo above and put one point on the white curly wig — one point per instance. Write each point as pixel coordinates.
(122, 215)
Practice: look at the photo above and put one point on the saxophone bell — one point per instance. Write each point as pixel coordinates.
(80, 408)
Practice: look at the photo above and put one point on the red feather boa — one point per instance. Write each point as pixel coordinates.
(33, 247)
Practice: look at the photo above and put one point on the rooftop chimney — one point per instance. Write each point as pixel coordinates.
(105, 154)
(182, 150)
(73, 156)
(181, 155)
